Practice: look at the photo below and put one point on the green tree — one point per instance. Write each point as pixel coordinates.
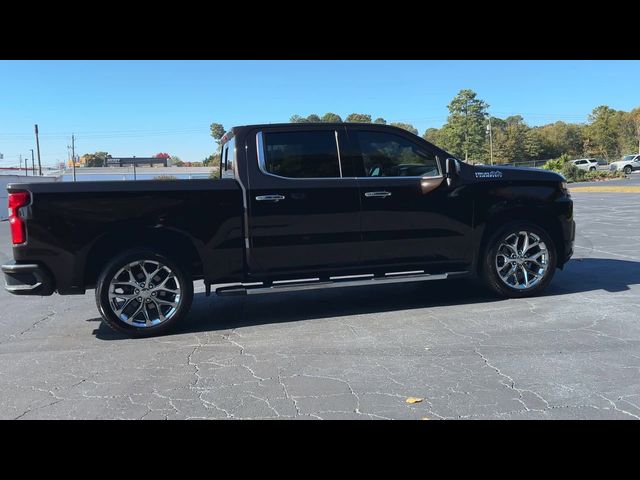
(464, 133)
(635, 117)
(211, 160)
(217, 132)
(406, 126)
(380, 121)
(97, 159)
(603, 132)
(313, 118)
(432, 135)
(297, 119)
(532, 145)
(358, 118)
(512, 142)
(330, 117)
(560, 137)
(175, 161)
(629, 140)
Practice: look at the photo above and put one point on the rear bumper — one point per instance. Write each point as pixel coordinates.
(27, 279)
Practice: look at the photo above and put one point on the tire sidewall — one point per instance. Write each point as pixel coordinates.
(102, 293)
(490, 274)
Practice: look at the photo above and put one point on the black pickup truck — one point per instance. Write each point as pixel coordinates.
(297, 206)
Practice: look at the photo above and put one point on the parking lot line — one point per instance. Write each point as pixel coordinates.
(610, 188)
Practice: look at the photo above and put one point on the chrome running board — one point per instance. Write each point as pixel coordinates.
(333, 282)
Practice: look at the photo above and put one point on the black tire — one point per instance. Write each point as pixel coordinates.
(592, 169)
(175, 315)
(489, 270)
(627, 170)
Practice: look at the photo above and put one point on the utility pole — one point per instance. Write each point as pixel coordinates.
(73, 155)
(490, 140)
(38, 147)
(33, 164)
(20, 162)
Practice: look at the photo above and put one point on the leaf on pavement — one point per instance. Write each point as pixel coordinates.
(414, 400)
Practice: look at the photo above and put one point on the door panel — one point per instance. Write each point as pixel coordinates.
(313, 224)
(408, 221)
(412, 227)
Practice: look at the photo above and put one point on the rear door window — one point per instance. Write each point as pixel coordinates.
(228, 159)
(302, 154)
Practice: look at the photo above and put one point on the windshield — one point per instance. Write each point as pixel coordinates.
(628, 158)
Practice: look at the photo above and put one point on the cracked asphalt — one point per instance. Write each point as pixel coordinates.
(352, 353)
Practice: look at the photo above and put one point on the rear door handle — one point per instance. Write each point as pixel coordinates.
(269, 198)
(377, 194)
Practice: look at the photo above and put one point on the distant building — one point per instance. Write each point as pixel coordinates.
(137, 161)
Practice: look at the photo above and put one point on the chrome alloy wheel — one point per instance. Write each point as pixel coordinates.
(144, 293)
(522, 260)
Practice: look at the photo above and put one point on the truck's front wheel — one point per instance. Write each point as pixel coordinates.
(519, 261)
(142, 293)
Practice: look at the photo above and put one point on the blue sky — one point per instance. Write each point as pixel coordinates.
(144, 107)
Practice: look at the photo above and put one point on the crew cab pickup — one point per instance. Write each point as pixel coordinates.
(297, 206)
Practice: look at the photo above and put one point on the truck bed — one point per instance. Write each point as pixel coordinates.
(71, 226)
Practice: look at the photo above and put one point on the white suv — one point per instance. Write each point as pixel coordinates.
(589, 164)
(628, 164)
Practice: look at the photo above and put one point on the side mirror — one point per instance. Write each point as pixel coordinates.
(452, 170)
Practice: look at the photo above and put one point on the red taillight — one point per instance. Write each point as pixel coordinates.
(18, 227)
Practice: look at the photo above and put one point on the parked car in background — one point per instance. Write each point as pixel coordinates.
(589, 164)
(628, 164)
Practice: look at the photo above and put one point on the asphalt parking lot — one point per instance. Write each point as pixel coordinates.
(352, 353)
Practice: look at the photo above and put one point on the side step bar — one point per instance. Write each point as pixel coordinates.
(334, 282)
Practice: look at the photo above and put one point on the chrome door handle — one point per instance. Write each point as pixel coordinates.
(269, 198)
(377, 194)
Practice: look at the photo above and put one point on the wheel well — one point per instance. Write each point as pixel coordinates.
(543, 219)
(174, 245)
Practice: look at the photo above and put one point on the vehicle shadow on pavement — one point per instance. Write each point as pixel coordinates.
(224, 313)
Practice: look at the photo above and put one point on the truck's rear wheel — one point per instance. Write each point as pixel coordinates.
(519, 261)
(142, 293)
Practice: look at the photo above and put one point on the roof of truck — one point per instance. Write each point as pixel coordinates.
(239, 128)
(306, 124)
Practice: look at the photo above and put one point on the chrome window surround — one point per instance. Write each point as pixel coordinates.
(261, 164)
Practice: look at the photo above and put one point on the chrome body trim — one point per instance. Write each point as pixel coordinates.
(270, 198)
(345, 281)
(262, 168)
(338, 149)
(377, 194)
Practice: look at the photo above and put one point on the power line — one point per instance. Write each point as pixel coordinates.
(182, 131)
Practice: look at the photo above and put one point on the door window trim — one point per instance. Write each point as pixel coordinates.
(262, 159)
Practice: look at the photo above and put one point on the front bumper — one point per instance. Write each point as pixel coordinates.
(569, 243)
(27, 279)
